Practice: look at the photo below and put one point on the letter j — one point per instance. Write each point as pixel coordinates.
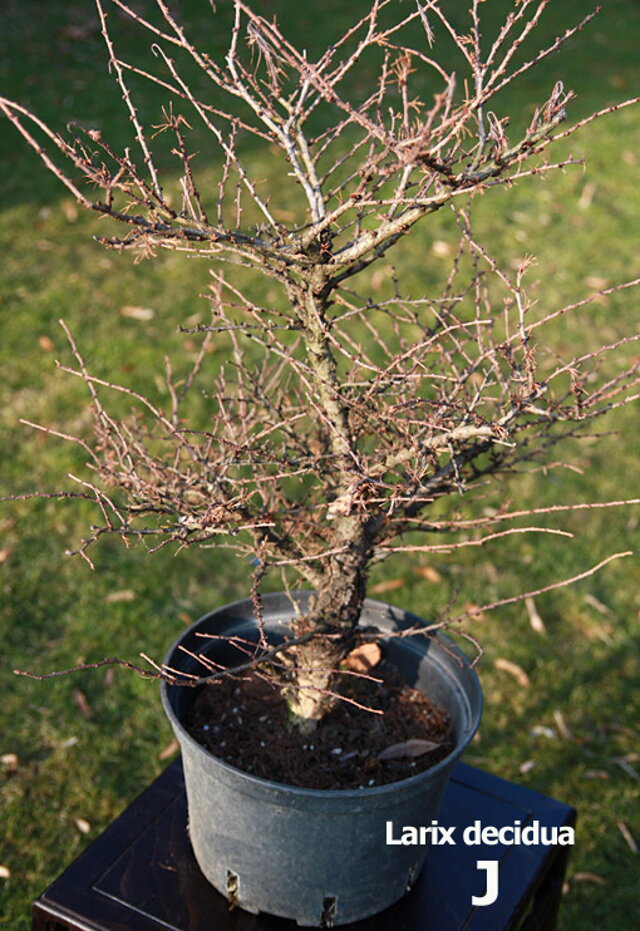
(491, 866)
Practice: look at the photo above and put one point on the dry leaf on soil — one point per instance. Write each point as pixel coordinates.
(363, 658)
(514, 670)
(410, 748)
(83, 826)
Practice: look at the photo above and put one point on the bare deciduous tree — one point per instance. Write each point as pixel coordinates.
(342, 428)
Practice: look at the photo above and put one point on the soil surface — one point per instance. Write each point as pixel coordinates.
(246, 723)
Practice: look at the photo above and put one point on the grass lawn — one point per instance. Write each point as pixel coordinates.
(75, 751)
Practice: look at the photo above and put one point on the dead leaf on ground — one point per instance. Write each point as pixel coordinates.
(10, 762)
(388, 585)
(442, 249)
(82, 825)
(589, 878)
(125, 595)
(474, 612)
(628, 836)
(563, 730)
(618, 81)
(539, 730)
(625, 765)
(514, 670)
(137, 313)
(535, 620)
(363, 658)
(598, 605)
(81, 701)
(380, 275)
(79, 32)
(491, 572)
(5, 872)
(428, 573)
(408, 748)
(586, 197)
(5, 553)
(46, 343)
(70, 210)
(597, 283)
(169, 750)
(526, 766)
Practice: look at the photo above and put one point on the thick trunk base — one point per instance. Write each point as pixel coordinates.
(314, 665)
(312, 693)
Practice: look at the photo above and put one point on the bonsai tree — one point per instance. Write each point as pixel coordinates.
(346, 423)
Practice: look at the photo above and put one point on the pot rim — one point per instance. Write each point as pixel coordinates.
(257, 782)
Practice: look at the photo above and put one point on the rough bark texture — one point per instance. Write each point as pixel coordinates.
(336, 612)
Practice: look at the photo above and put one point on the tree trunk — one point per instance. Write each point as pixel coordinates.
(338, 603)
(335, 614)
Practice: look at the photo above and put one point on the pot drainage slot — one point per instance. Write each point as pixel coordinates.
(329, 909)
(232, 889)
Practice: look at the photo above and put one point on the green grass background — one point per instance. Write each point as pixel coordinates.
(76, 769)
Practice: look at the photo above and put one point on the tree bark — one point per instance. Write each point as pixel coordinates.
(336, 612)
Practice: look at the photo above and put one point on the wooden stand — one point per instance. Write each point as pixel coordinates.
(140, 874)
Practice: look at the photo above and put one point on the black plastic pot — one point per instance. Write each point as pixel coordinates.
(319, 857)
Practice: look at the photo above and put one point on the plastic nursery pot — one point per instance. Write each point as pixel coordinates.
(316, 856)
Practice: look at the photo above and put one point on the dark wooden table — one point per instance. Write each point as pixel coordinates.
(140, 874)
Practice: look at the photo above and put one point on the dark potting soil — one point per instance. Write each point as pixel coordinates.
(246, 724)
